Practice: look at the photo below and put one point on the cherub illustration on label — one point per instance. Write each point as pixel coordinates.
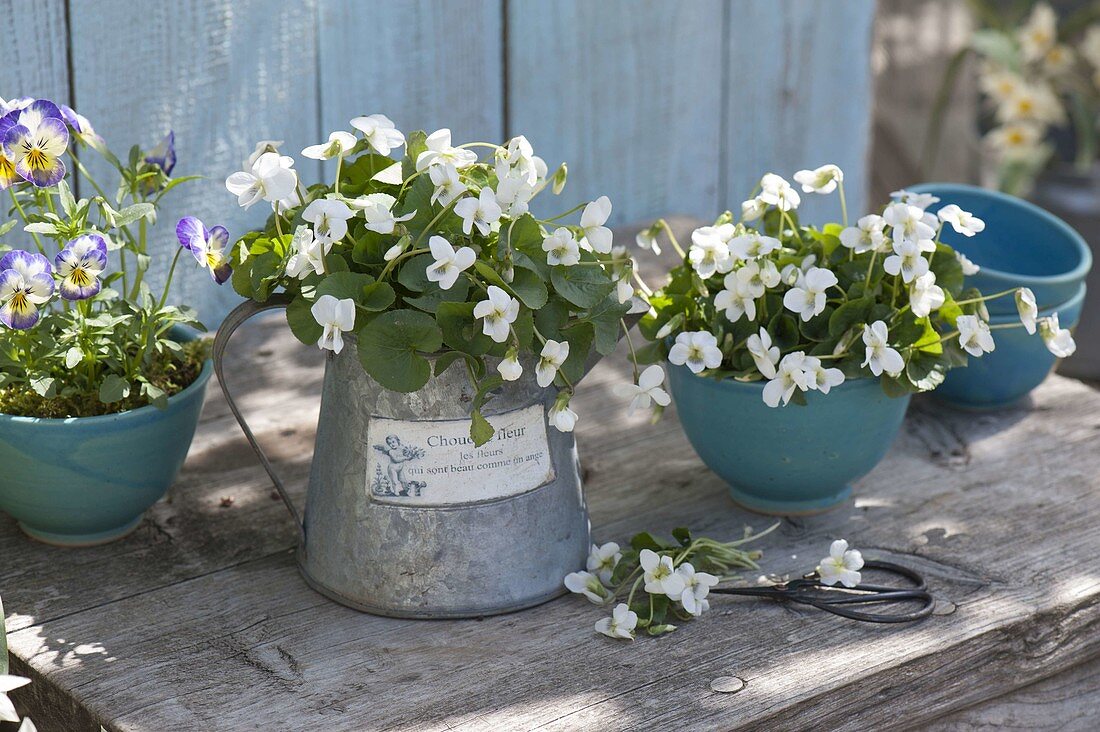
(393, 481)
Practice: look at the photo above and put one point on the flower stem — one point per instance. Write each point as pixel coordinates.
(843, 203)
(671, 237)
(23, 215)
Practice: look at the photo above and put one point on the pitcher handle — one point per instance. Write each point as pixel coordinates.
(234, 320)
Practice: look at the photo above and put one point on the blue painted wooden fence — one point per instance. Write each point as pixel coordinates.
(666, 107)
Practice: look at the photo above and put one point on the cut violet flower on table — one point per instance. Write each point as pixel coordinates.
(655, 581)
(763, 297)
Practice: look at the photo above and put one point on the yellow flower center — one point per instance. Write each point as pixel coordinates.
(80, 276)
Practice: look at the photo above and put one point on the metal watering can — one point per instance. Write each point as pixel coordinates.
(406, 517)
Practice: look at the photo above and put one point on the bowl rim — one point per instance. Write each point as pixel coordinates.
(1077, 273)
(185, 394)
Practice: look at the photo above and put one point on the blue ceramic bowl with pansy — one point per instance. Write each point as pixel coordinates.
(787, 460)
(89, 480)
(1019, 362)
(1022, 246)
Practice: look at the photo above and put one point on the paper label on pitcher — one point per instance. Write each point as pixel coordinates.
(435, 463)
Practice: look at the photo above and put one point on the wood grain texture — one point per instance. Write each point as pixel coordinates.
(799, 96)
(425, 64)
(204, 605)
(628, 93)
(33, 59)
(222, 74)
(1067, 702)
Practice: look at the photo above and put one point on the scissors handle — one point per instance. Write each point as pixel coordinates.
(839, 600)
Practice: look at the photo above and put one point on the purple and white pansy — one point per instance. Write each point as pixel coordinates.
(79, 265)
(164, 154)
(34, 139)
(207, 245)
(26, 281)
(82, 128)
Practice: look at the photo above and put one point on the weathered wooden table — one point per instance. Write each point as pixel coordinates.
(199, 620)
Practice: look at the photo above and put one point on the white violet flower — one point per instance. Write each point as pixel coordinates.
(790, 375)
(498, 311)
(561, 248)
(9, 683)
(329, 218)
(589, 585)
(920, 200)
(808, 298)
(907, 260)
(339, 144)
(821, 378)
(925, 295)
(660, 576)
(961, 221)
(841, 566)
(752, 209)
(270, 178)
(819, 180)
(709, 252)
(1058, 340)
(562, 417)
(553, 355)
(737, 299)
(880, 357)
(336, 317)
(621, 624)
(752, 245)
(482, 212)
(377, 209)
(647, 391)
(447, 184)
(867, 235)
(776, 191)
(448, 264)
(379, 132)
(509, 367)
(602, 560)
(764, 354)
(968, 267)
(1026, 306)
(307, 254)
(974, 335)
(440, 151)
(696, 588)
(908, 222)
(595, 235)
(697, 350)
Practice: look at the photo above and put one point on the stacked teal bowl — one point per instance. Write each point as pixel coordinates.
(1022, 246)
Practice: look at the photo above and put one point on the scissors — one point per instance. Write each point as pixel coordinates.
(846, 601)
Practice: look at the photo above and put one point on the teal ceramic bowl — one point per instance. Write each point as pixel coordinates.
(1022, 246)
(789, 460)
(1018, 364)
(89, 480)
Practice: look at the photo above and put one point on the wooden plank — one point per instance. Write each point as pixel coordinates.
(952, 485)
(222, 74)
(628, 93)
(33, 58)
(799, 96)
(396, 58)
(1066, 702)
